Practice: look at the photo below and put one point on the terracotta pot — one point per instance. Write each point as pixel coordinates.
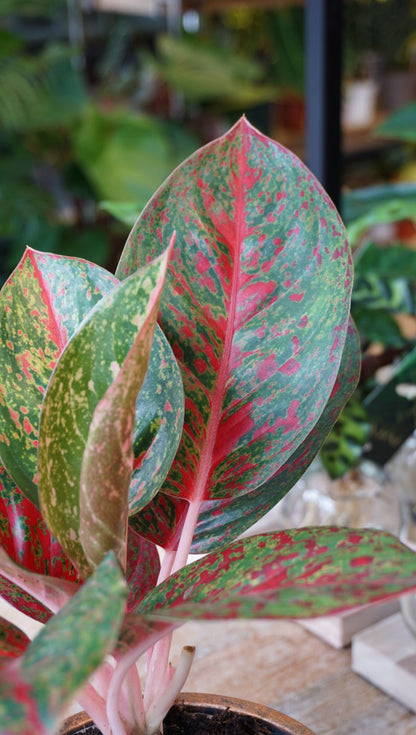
(190, 713)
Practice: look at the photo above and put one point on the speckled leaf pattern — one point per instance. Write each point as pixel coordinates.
(57, 292)
(27, 541)
(158, 423)
(143, 566)
(295, 573)
(76, 640)
(141, 633)
(19, 714)
(50, 591)
(87, 422)
(255, 307)
(221, 521)
(13, 641)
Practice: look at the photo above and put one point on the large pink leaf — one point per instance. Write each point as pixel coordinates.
(255, 307)
(224, 519)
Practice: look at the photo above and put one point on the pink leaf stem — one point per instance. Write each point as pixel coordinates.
(124, 663)
(161, 705)
(94, 705)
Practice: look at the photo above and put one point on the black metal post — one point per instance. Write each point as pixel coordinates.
(323, 43)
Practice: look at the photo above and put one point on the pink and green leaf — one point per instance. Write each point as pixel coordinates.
(51, 592)
(293, 574)
(76, 639)
(143, 566)
(28, 548)
(19, 713)
(87, 423)
(41, 305)
(158, 423)
(221, 521)
(255, 307)
(13, 641)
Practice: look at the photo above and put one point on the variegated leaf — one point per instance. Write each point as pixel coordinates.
(75, 640)
(53, 593)
(255, 307)
(27, 541)
(13, 641)
(41, 305)
(19, 714)
(140, 633)
(88, 415)
(158, 423)
(143, 566)
(296, 573)
(221, 521)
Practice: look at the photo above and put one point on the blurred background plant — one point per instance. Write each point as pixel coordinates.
(72, 132)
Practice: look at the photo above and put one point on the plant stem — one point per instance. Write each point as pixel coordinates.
(135, 698)
(158, 660)
(94, 705)
(158, 664)
(161, 706)
(121, 670)
(166, 566)
(184, 547)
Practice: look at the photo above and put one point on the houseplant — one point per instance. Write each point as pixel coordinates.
(102, 463)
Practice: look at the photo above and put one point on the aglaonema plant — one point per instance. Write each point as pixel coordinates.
(161, 412)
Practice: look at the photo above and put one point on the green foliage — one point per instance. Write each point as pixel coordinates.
(276, 37)
(360, 202)
(40, 92)
(139, 150)
(384, 286)
(400, 124)
(206, 72)
(344, 446)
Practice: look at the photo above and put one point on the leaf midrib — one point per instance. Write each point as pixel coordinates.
(220, 384)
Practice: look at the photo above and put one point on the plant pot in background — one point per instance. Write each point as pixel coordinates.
(209, 714)
(359, 104)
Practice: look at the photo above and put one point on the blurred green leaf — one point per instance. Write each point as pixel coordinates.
(126, 212)
(40, 91)
(344, 445)
(377, 326)
(395, 210)
(203, 72)
(29, 7)
(359, 202)
(389, 294)
(394, 261)
(400, 124)
(127, 155)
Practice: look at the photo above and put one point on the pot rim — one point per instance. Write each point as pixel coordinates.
(217, 702)
(247, 707)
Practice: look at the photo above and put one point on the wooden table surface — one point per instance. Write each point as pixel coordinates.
(280, 664)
